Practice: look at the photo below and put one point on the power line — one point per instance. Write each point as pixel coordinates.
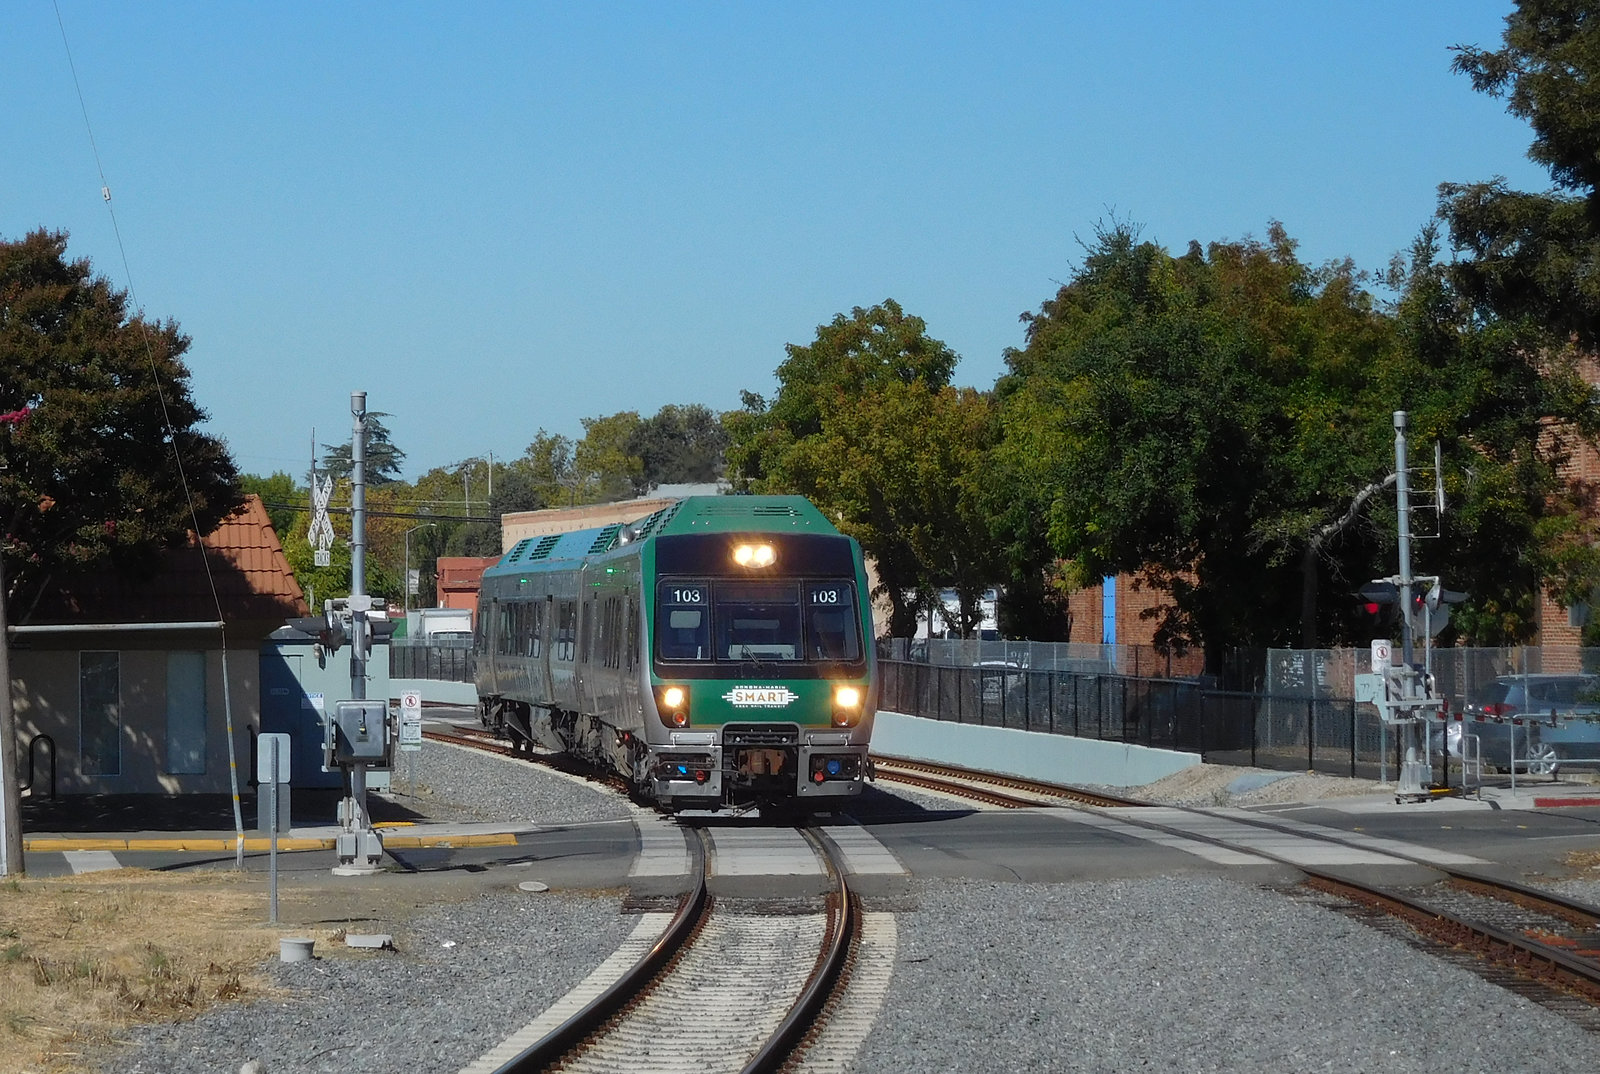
(388, 514)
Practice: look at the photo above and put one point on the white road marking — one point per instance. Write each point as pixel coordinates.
(863, 854)
(1295, 849)
(1360, 839)
(762, 852)
(663, 850)
(1219, 855)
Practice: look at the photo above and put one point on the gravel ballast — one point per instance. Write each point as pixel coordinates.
(1194, 974)
(1187, 973)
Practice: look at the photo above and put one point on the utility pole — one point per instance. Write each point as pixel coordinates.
(11, 863)
(360, 847)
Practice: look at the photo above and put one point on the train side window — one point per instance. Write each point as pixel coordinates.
(503, 641)
(480, 640)
(566, 630)
(633, 630)
(536, 633)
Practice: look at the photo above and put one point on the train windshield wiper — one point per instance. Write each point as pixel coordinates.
(750, 657)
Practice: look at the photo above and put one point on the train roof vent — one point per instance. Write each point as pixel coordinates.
(745, 510)
(650, 523)
(646, 525)
(517, 549)
(603, 540)
(546, 543)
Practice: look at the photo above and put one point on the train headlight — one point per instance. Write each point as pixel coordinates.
(672, 703)
(846, 706)
(754, 555)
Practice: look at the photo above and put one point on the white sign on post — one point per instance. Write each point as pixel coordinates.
(1382, 653)
(411, 720)
(272, 757)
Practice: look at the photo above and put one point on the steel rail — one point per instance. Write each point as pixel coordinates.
(1524, 955)
(1527, 956)
(844, 928)
(562, 1040)
(992, 787)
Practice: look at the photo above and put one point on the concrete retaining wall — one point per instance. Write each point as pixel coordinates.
(1029, 754)
(435, 691)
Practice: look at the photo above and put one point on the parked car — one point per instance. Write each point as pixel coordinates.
(997, 678)
(1517, 710)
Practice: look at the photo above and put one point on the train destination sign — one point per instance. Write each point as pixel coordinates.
(760, 697)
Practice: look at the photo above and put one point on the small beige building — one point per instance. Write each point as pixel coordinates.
(130, 687)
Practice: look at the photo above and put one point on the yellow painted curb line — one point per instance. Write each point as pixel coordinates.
(257, 843)
(210, 844)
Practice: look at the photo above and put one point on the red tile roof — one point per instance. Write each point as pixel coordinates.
(251, 577)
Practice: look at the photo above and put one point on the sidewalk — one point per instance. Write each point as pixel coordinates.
(206, 822)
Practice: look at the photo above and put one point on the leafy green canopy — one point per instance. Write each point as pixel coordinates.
(88, 470)
(1193, 418)
(867, 426)
(1534, 259)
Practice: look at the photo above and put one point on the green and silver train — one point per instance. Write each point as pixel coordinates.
(717, 653)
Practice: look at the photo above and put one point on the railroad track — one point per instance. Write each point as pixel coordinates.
(1519, 937)
(1008, 792)
(1511, 934)
(727, 985)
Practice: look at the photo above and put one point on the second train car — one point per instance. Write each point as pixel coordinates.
(717, 653)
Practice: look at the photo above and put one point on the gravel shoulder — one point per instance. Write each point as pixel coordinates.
(1193, 973)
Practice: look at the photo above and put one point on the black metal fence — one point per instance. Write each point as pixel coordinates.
(1329, 735)
(446, 663)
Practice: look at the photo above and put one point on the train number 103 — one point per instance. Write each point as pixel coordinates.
(828, 596)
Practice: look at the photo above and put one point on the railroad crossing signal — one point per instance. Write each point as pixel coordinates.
(1430, 602)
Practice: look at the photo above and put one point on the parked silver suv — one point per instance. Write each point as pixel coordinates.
(1534, 699)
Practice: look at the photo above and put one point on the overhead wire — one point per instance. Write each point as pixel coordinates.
(172, 436)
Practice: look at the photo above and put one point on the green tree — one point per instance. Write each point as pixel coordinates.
(850, 356)
(857, 422)
(88, 393)
(1509, 418)
(383, 457)
(100, 458)
(1191, 420)
(678, 445)
(279, 489)
(1534, 258)
(603, 469)
(549, 463)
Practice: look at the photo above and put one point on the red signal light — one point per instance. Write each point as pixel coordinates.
(1372, 607)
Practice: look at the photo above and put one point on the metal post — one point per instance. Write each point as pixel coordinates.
(11, 860)
(272, 832)
(1352, 738)
(1311, 735)
(1413, 763)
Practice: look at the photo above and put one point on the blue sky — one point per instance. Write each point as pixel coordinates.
(500, 217)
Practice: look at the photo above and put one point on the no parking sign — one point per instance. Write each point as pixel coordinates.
(411, 720)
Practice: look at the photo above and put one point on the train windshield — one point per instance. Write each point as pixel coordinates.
(761, 622)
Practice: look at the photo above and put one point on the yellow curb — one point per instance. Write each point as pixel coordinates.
(252, 844)
(257, 843)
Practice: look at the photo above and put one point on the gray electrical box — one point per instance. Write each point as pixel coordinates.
(360, 732)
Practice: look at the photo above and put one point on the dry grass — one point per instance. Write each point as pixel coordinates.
(84, 957)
